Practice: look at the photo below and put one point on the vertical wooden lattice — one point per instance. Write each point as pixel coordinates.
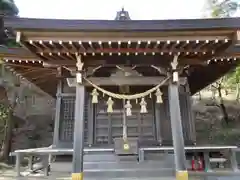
(67, 118)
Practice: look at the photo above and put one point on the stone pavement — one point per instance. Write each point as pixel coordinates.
(9, 174)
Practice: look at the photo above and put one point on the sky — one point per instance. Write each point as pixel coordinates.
(106, 9)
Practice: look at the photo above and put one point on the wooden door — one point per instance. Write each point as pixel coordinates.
(108, 127)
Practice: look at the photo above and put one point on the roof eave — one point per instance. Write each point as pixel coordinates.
(112, 25)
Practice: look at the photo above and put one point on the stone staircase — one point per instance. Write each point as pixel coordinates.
(109, 165)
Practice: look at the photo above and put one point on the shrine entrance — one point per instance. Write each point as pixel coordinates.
(110, 126)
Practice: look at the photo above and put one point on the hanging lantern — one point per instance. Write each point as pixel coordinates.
(159, 96)
(128, 108)
(143, 105)
(110, 105)
(95, 96)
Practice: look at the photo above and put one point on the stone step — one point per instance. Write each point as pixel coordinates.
(120, 170)
(67, 167)
(129, 173)
(109, 165)
(128, 165)
(107, 157)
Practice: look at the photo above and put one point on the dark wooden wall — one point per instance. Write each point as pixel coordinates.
(101, 128)
(188, 121)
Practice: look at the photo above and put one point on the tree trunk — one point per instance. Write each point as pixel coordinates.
(7, 140)
(237, 92)
(222, 106)
(226, 92)
(199, 96)
(8, 131)
(213, 93)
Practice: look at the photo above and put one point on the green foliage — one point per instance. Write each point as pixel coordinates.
(233, 78)
(4, 111)
(222, 8)
(12, 43)
(8, 7)
(4, 114)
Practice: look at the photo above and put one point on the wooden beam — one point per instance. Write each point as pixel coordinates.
(122, 50)
(126, 36)
(23, 59)
(18, 37)
(121, 81)
(237, 37)
(106, 62)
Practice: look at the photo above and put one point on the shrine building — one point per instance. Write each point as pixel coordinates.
(123, 84)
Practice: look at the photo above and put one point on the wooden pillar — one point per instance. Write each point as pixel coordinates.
(57, 111)
(78, 139)
(90, 120)
(192, 129)
(177, 133)
(176, 125)
(110, 139)
(158, 122)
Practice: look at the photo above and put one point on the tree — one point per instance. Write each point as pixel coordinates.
(7, 104)
(222, 8)
(218, 86)
(8, 8)
(233, 81)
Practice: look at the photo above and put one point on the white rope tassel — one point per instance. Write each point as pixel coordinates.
(159, 96)
(95, 96)
(143, 106)
(128, 108)
(110, 105)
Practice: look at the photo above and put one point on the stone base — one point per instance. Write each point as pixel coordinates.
(77, 176)
(181, 175)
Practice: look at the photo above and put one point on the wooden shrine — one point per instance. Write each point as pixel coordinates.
(122, 83)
